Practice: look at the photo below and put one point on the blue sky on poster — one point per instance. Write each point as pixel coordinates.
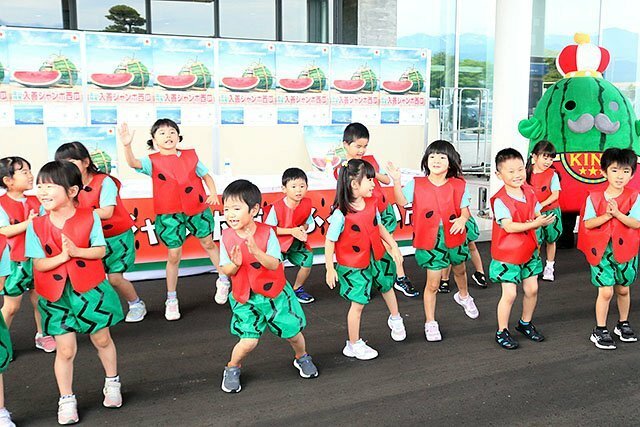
(106, 51)
(321, 139)
(28, 49)
(170, 54)
(292, 58)
(93, 137)
(235, 56)
(394, 62)
(346, 60)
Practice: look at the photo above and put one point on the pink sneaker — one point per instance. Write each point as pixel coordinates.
(46, 343)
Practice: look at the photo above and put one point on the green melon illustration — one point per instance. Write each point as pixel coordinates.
(102, 160)
(68, 70)
(415, 77)
(199, 70)
(259, 70)
(370, 80)
(139, 71)
(319, 79)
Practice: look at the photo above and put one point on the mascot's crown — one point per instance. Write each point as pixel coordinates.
(583, 59)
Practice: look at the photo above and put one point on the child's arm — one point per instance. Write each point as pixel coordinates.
(555, 195)
(127, 139)
(628, 220)
(230, 269)
(394, 250)
(269, 262)
(213, 193)
(458, 225)
(105, 212)
(597, 221)
(15, 229)
(46, 264)
(383, 178)
(510, 226)
(92, 252)
(332, 276)
(395, 175)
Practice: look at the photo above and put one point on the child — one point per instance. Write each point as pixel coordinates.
(291, 217)
(100, 192)
(608, 236)
(355, 141)
(473, 232)
(67, 246)
(514, 246)
(16, 212)
(440, 213)
(355, 235)
(260, 298)
(179, 201)
(6, 350)
(546, 185)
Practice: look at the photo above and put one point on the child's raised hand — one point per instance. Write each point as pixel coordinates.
(299, 233)
(331, 278)
(213, 200)
(69, 247)
(252, 247)
(125, 136)
(236, 255)
(32, 214)
(457, 225)
(393, 172)
(612, 208)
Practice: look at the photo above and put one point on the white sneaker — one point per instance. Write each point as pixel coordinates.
(432, 331)
(136, 312)
(469, 306)
(112, 395)
(171, 310)
(68, 411)
(5, 418)
(360, 350)
(547, 274)
(398, 332)
(222, 291)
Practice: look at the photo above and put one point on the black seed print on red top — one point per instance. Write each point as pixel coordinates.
(267, 286)
(355, 248)
(188, 190)
(355, 227)
(594, 251)
(620, 241)
(57, 277)
(137, 244)
(88, 189)
(48, 249)
(428, 214)
(161, 177)
(375, 221)
(452, 217)
(384, 199)
(256, 265)
(107, 227)
(544, 188)
(81, 263)
(200, 198)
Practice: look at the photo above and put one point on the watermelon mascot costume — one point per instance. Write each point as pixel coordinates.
(582, 115)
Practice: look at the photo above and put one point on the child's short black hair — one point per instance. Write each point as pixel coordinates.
(507, 154)
(9, 166)
(292, 174)
(620, 156)
(76, 150)
(162, 123)
(244, 190)
(355, 131)
(62, 173)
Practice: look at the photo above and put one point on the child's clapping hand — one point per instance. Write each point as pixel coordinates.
(393, 172)
(236, 255)
(612, 208)
(69, 247)
(299, 233)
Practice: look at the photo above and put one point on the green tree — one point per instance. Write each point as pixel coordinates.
(553, 75)
(126, 20)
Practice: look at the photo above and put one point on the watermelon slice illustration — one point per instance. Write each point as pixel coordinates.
(112, 81)
(349, 86)
(37, 78)
(396, 87)
(321, 162)
(240, 84)
(296, 85)
(182, 82)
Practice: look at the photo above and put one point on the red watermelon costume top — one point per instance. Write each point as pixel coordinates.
(176, 186)
(18, 212)
(89, 197)
(541, 184)
(84, 274)
(290, 218)
(433, 205)
(624, 240)
(251, 275)
(360, 236)
(514, 248)
(377, 190)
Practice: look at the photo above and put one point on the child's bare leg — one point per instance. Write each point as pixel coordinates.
(551, 252)
(33, 297)
(390, 299)
(212, 250)
(399, 260)
(242, 350)
(446, 273)
(430, 292)
(123, 286)
(605, 293)
(301, 277)
(509, 292)
(460, 276)
(353, 321)
(173, 263)
(10, 308)
(298, 344)
(476, 260)
(624, 301)
(66, 348)
(530, 288)
(1, 391)
(106, 351)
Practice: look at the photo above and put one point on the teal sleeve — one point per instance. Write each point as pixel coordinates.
(147, 167)
(381, 170)
(224, 255)
(96, 238)
(201, 169)
(33, 247)
(5, 263)
(589, 209)
(273, 246)
(635, 210)
(42, 211)
(108, 193)
(466, 198)
(407, 191)
(378, 217)
(538, 207)
(271, 219)
(4, 218)
(500, 211)
(555, 183)
(310, 220)
(336, 225)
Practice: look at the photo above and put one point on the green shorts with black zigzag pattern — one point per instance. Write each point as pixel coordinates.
(356, 283)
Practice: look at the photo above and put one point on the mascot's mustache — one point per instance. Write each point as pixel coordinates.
(586, 122)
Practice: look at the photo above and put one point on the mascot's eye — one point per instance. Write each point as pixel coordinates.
(570, 105)
(613, 105)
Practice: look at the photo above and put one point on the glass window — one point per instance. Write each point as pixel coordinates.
(31, 13)
(248, 19)
(124, 16)
(294, 20)
(187, 18)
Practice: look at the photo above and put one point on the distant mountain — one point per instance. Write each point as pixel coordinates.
(472, 46)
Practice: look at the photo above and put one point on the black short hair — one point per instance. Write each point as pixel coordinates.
(355, 131)
(244, 190)
(292, 174)
(76, 150)
(507, 154)
(443, 147)
(62, 173)
(9, 166)
(620, 156)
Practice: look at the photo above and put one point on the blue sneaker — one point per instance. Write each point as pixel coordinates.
(306, 367)
(231, 379)
(303, 297)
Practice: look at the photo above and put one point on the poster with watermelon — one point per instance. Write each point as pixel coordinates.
(6, 113)
(355, 82)
(302, 83)
(43, 70)
(324, 145)
(403, 86)
(99, 140)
